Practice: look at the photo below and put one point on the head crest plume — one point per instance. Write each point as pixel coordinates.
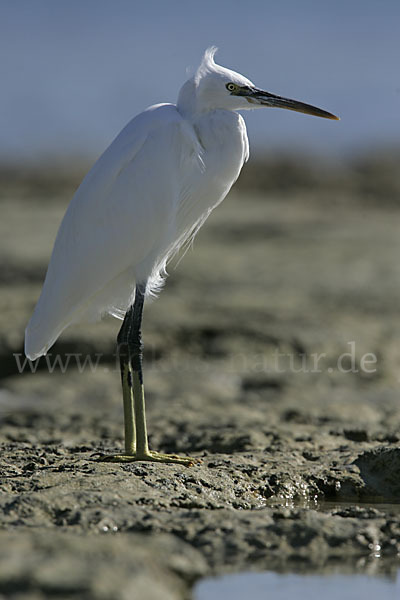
(207, 64)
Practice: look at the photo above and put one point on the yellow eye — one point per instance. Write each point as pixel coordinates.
(231, 87)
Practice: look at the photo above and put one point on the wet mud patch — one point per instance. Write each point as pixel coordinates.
(380, 471)
(299, 464)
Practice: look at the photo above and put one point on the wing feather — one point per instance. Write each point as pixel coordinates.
(117, 225)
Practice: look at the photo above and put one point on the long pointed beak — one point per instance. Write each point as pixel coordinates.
(267, 99)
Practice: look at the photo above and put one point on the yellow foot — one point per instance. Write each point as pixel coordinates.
(151, 456)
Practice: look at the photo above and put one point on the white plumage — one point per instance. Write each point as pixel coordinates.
(144, 198)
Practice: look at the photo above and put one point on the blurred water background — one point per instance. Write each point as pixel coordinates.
(73, 73)
(302, 587)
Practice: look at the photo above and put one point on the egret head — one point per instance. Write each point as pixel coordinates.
(214, 87)
(219, 87)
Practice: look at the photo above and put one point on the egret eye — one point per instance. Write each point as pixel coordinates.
(231, 87)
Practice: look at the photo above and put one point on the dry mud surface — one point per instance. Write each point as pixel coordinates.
(273, 355)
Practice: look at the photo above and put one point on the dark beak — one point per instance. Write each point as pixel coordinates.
(267, 99)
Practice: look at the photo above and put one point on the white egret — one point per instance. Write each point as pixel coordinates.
(146, 196)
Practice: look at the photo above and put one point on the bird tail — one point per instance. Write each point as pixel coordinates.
(49, 319)
(38, 338)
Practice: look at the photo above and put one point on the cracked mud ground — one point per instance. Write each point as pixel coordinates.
(273, 355)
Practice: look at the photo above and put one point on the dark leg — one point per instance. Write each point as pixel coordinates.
(130, 353)
(135, 347)
(126, 380)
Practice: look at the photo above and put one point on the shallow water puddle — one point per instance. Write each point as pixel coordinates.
(332, 505)
(326, 505)
(259, 586)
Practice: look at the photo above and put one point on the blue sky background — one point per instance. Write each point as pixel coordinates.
(74, 72)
